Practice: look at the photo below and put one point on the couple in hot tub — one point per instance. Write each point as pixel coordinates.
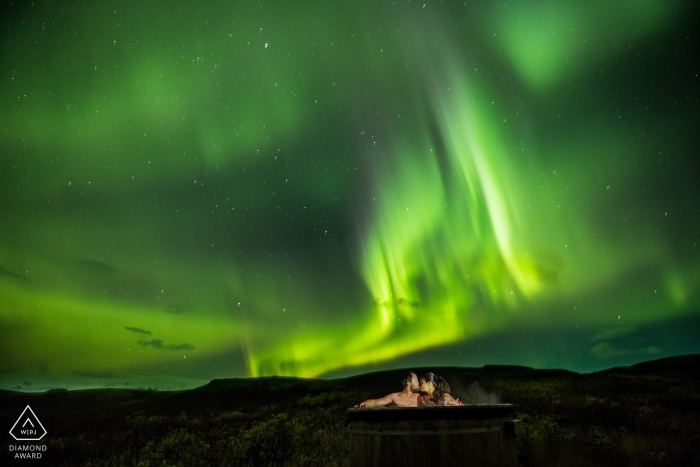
(431, 390)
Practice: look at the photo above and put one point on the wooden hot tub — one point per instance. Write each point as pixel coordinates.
(472, 435)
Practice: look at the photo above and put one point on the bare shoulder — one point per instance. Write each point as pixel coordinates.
(406, 400)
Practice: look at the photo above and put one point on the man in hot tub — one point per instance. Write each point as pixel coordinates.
(408, 397)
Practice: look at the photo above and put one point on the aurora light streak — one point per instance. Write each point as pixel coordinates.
(229, 189)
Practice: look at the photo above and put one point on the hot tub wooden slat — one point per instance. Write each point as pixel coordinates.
(385, 447)
(496, 439)
(443, 443)
(463, 444)
(402, 444)
(443, 448)
(496, 442)
(419, 445)
(354, 448)
(479, 450)
(432, 450)
(456, 451)
(509, 455)
(377, 450)
(441, 436)
(369, 447)
(360, 442)
(489, 448)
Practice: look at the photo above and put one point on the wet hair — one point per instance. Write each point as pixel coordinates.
(408, 379)
(441, 387)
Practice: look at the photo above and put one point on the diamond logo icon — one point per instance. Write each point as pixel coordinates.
(28, 427)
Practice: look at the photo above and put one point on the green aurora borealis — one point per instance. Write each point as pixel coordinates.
(217, 189)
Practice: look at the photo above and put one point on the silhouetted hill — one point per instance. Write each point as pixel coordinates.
(681, 363)
(643, 414)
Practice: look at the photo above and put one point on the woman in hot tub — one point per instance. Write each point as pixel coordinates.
(435, 391)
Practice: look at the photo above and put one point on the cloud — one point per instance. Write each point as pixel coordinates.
(137, 330)
(654, 350)
(90, 374)
(605, 351)
(612, 333)
(6, 272)
(158, 344)
(184, 346)
(96, 267)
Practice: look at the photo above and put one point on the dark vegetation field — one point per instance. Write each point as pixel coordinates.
(645, 415)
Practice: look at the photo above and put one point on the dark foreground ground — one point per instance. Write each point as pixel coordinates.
(644, 415)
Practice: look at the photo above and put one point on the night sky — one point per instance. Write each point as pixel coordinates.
(214, 189)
